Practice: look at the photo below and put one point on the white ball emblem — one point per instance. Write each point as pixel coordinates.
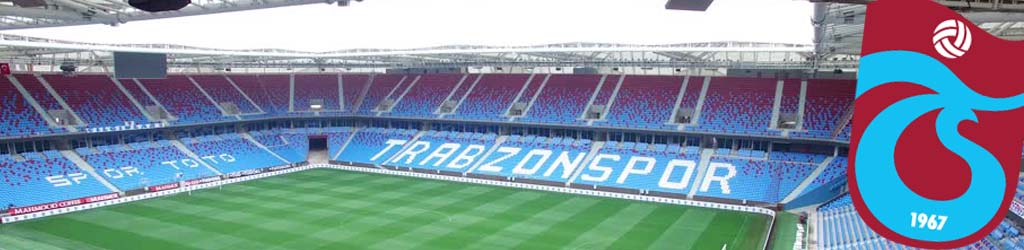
(952, 38)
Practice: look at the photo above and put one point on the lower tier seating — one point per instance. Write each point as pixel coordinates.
(139, 165)
(231, 153)
(41, 178)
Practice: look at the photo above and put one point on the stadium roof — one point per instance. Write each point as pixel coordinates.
(21, 49)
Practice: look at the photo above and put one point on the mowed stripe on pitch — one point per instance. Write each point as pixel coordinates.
(330, 209)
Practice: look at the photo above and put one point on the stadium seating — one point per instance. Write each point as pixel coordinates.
(492, 97)
(834, 170)
(790, 97)
(183, 100)
(292, 145)
(644, 102)
(221, 90)
(367, 145)
(18, 118)
(25, 181)
(839, 227)
(757, 179)
(692, 94)
(562, 100)
(318, 86)
(827, 101)
(231, 153)
(436, 139)
(353, 86)
(738, 106)
(138, 165)
(38, 91)
(556, 167)
(134, 90)
(651, 176)
(382, 86)
(96, 100)
(267, 91)
(426, 96)
(604, 95)
(336, 137)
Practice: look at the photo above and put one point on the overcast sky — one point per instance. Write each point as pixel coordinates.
(424, 23)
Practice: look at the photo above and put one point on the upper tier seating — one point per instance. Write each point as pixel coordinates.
(143, 164)
(492, 97)
(644, 102)
(565, 158)
(827, 101)
(738, 106)
(183, 100)
(318, 86)
(221, 90)
(382, 86)
(426, 96)
(25, 182)
(839, 227)
(790, 97)
(17, 117)
(38, 91)
(369, 143)
(692, 93)
(652, 172)
(267, 91)
(231, 153)
(353, 86)
(96, 99)
(563, 99)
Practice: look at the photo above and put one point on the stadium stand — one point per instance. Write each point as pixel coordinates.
(492, 97)
(35, 88)
(790, 97)
(96, 100)
(692, 93)
(562, 99)
(557, 167)
(316, 86)
(17, 117)
(738, 106)
(369, 143)
(336, 138)
(629, 171)
(134, 90)
(221, 90)
(26, 181)
(436, 138)
(827, 101)
(644, 102)
(382, 86)
(353, 86)
(757, 179)
(266, 91)
(834, 170)
(292, 145)
(426, 96)
(604, 95)
(231, 153)
(138, 165)
(183, 100)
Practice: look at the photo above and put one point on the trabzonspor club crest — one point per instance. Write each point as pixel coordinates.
(937, 128)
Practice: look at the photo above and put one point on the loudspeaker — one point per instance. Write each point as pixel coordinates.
(159, 5)
(68, 67)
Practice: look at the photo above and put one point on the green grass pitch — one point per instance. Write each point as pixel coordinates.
(332, 209)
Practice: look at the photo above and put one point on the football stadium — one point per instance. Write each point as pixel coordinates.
(733, 142)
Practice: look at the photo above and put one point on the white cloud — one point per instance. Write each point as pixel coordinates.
(424, 23)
